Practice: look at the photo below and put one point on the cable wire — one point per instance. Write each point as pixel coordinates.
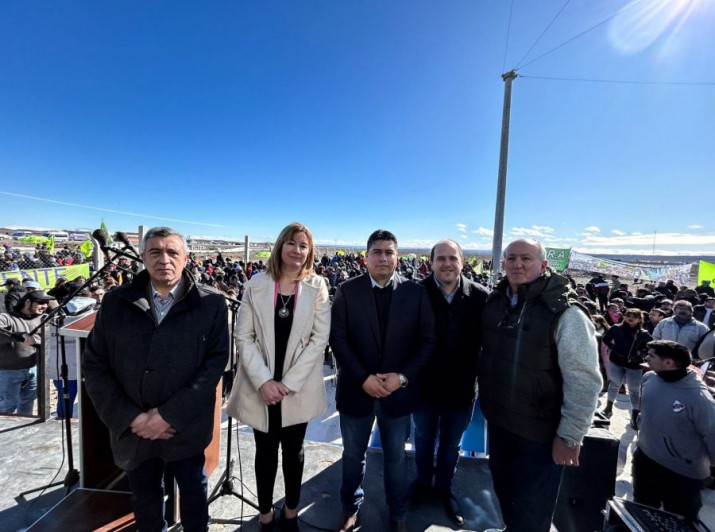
(542, 34)
(584, 32)
(624, 81)
(508, 33)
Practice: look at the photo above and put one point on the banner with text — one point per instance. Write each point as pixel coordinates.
(677, 272)
(558, 258)
(47, 276)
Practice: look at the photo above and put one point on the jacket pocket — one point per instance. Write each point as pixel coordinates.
(670, 446)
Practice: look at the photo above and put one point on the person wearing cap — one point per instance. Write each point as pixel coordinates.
(18, 358)
(31, 285)
(666, 305)
(676, 443)
(14, 293)
(655, 316)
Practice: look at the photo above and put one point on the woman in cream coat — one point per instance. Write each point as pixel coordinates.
(283, 328)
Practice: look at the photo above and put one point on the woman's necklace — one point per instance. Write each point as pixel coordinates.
(284, 312)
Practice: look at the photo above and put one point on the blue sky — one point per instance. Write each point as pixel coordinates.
(229, 118)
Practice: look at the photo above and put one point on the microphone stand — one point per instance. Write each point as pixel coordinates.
(225, 485)
(72, 477)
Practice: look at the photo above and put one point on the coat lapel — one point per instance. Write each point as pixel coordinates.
(397, 304)
(302, 318)
(368, 303)
(263, 309)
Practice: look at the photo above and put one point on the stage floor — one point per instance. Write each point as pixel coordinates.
(31, 455)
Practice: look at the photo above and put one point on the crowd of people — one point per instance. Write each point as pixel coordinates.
(414, 340)
(14, 259)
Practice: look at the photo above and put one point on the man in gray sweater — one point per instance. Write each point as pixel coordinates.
(676, 443)
(538, 385)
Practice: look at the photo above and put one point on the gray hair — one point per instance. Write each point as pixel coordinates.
(162, 232)
(531, 242)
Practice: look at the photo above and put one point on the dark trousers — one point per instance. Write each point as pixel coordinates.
(654, 484)
(356, 437)
(526, 480)
(290, 439)
(447, 425)
(147, 485)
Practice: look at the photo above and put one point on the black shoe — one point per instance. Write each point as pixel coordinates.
(286, 524)
(451, 507)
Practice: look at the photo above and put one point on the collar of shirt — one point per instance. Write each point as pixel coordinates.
(375, 284)
(448, 296)
(173, 293)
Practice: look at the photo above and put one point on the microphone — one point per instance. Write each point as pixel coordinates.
(101, 236)
(124, 239)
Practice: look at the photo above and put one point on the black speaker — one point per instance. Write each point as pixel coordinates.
(585, 490)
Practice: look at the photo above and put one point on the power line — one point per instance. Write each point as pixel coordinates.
(542, 34)
(623, 81)
(508, 32)
(582, 33)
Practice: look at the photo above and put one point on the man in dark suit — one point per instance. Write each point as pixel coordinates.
(151, 366)
(705, 312)
(382, 334)
(448, 389)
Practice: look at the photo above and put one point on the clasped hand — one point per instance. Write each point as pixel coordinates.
(273, 392)
(151, 426)
(381, 385)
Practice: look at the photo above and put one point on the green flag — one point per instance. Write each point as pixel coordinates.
(558, 258)
(706, 272)
(109, 236)
(50, 245)
(34, 239)
(87, 248)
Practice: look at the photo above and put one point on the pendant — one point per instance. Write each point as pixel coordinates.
(283, 313)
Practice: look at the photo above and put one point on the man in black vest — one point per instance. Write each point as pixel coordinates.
(448, 387)
(538, 384)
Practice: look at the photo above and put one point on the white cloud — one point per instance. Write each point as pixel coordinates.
(535, 231)
(695, 226)
(483, 231)
(636, 233)
(462, 228)
(617, 232)
(592, 229)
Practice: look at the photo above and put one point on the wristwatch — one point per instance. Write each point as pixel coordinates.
(403, 380)
(568, 443)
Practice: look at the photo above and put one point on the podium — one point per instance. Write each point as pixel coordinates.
(99, 504)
